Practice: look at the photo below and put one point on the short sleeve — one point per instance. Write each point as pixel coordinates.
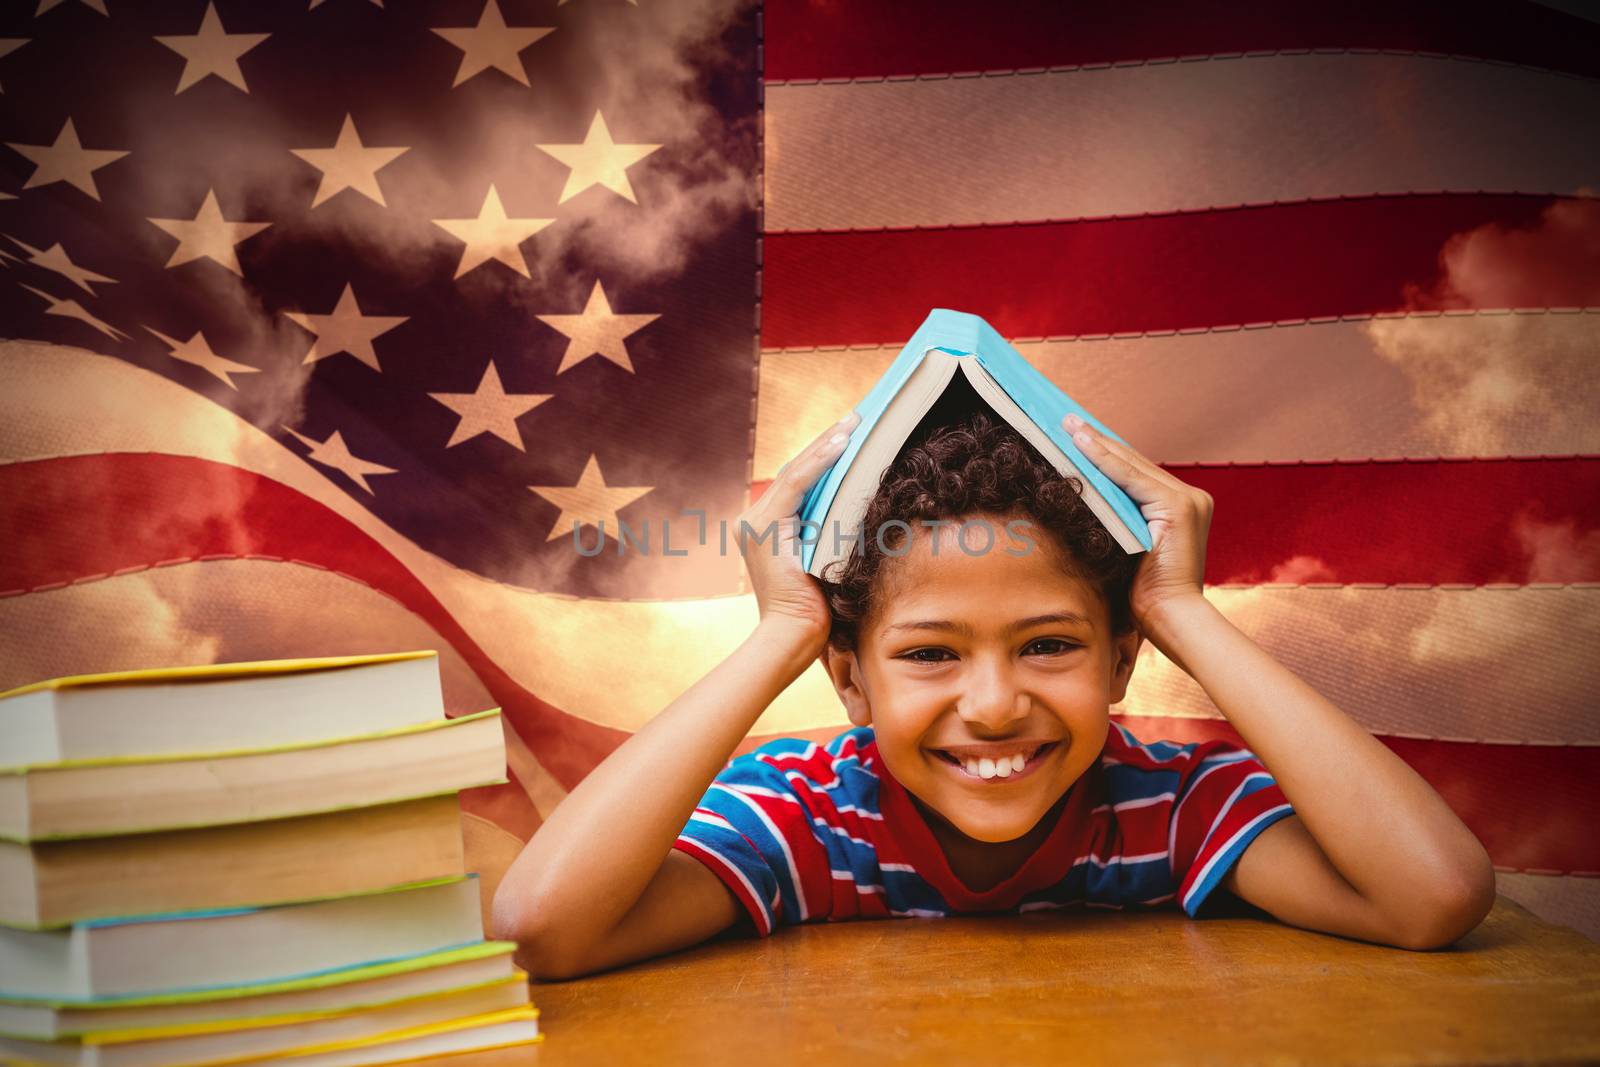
(1226, 796)
(753, 831)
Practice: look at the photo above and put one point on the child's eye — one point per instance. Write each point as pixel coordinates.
(925, 655)
(1060, 646)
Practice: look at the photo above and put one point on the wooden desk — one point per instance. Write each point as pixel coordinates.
(1091, 987)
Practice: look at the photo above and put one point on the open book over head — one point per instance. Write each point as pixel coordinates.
(954, 364)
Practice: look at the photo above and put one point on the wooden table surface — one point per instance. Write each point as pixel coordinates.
(1088, 987)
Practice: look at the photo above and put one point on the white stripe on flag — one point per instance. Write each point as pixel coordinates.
(1408, 386)
(1169, 137)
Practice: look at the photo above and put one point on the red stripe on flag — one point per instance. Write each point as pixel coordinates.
(805, 39)
(1155, 272)
(1432, 522)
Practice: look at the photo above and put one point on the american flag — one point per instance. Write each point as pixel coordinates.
(333, 320)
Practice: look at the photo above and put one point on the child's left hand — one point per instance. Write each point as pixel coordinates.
(1179, 516)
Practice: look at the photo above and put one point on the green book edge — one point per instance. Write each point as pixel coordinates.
(319, 980)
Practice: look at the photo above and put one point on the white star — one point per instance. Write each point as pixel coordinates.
(346, 329)
(71, 309)
(336, 454)
(490, 410)
(212, 50)
(196, 351)
(93, 5)
(11, 44)
(66, 161)
(209, 234)
(589, 503)
(349, 164)
(598, 161)
(56, 259)
(492, 236)
(491, 43)
(598, 331)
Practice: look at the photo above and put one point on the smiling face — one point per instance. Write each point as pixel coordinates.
(987, 678)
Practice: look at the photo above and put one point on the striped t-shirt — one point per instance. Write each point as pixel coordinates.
(802, 832)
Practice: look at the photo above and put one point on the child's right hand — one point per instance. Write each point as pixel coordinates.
(785, 593)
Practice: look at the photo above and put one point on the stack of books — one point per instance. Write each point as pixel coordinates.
(246, 862)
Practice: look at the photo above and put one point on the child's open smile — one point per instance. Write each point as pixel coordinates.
(987, 678)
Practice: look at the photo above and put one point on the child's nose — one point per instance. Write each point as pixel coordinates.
(991, 697)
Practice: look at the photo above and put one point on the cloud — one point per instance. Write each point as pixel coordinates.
(1489, 385)
(1553, 263)
(1555, 551)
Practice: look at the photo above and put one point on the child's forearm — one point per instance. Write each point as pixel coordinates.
(1390, 835)
(591, 860)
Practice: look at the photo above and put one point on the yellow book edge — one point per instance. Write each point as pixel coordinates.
(203, 671)
(511, 1015)
(203, 913)
(235, 753)
(321, 980)
(263, 1022)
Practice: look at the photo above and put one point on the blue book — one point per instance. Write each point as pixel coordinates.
(946, 343)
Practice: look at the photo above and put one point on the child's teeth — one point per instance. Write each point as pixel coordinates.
(986, 767)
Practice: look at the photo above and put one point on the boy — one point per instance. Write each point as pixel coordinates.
(982, 772)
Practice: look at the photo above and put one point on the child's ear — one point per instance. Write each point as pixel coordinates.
(845, 672)
(1125, 650)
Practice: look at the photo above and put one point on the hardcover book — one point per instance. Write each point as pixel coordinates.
(954, 363)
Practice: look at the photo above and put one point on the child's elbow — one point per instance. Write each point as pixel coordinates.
(541, 951)
(1457, 903)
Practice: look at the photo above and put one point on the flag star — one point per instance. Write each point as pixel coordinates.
(346, 329)
(589, 503)
(209, 234)
(71, 309)
(56, 259)
(597, 331)
(490, 410)
(336, 454)
(598, 161)
(492, 236)
(491, 43)
(349, 164)
(196, 351)
(212, 50)
(93, 5)
(11, 44)
(66, 161)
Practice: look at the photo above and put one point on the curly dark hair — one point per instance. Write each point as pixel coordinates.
(980, 465)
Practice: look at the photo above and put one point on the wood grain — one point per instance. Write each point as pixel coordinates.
(1088, 987)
